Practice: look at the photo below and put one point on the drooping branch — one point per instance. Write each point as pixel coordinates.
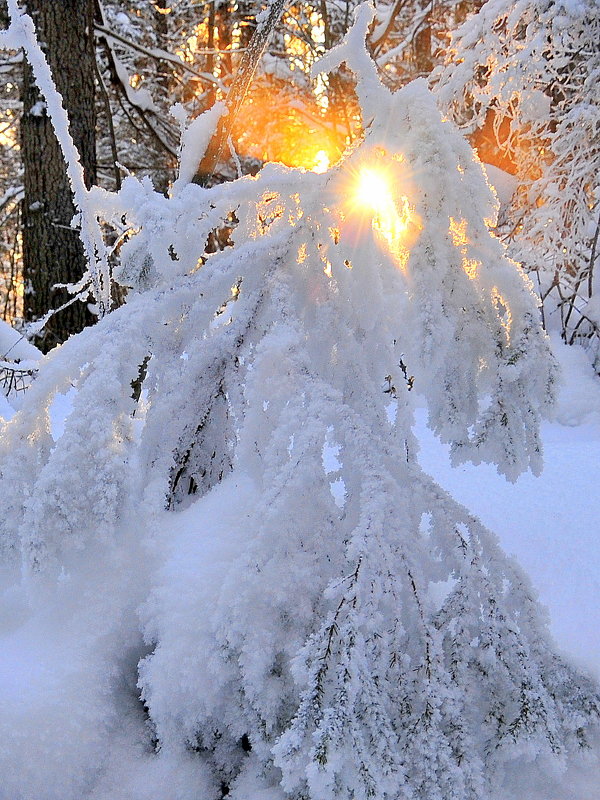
(160, 55)
(148, 115)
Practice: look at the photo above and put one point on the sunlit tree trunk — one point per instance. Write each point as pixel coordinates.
(52, 251)
(210, 59)
(464, 8)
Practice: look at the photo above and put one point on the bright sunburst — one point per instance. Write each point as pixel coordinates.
(375, 196)
(373, 190)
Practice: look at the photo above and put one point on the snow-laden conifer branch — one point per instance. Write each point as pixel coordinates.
(527, 71)
(236, 493)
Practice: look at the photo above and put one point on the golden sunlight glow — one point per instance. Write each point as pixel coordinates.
(322, 162)
(458, 234)
(301, 258)
(9, 129)
(272, 126)
(503, 311)
(8, 136)
(391, 214)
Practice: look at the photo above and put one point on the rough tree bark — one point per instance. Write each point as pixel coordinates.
(165, 172)
(422, 42)
(52, 251)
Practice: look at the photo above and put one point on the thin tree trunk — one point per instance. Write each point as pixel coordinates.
(237, 91)
(422, 44)
(210, 59)
(164, 173)
(52, 251)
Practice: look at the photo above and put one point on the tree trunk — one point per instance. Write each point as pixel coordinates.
(165, 172)
(52, 251)
(422, 44)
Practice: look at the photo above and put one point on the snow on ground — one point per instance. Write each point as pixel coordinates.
(551, 523)
(6, 410)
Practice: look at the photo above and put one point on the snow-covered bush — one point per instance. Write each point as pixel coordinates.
(532, 68)
(233, 517)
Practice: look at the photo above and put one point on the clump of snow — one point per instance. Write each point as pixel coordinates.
(15, 347)
(502, 182)
(39, 109)
(195, 138)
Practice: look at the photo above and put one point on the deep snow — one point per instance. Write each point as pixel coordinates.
(551, 523)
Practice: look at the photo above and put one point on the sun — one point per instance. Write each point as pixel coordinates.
(373, 190)
(377, 200)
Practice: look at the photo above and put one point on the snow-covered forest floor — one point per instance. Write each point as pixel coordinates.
(550, 523)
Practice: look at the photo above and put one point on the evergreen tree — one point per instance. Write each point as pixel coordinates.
(237, 499)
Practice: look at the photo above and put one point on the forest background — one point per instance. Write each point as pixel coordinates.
(520, 79)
